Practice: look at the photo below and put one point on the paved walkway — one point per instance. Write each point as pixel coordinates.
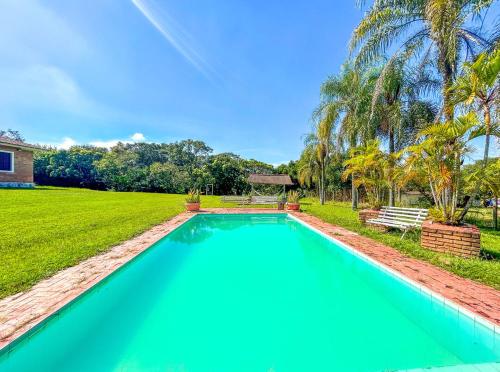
(22, 311)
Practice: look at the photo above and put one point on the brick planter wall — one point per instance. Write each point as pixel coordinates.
(462, 241)
(367, 214)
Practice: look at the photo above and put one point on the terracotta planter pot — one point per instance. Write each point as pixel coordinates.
(293, 206)
(464, 241)
(192, 207)
(367, 214)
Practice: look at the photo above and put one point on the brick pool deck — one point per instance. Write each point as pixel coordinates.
(21, 312)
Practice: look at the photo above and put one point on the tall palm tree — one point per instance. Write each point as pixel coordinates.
(319, 147)
(308, 169)
(395, 98)
(348, 96)
(435, 29)
(478, 88)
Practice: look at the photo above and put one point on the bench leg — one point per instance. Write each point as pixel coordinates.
(404, 232)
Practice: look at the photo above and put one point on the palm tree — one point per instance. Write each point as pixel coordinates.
(308, 169)
(395, 98)
(435, 29)
(319, 147)
(348, 96)
(478, 88)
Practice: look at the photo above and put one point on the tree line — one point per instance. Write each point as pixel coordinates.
(166, 167)
(421, 83)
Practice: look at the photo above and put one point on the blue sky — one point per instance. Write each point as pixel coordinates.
(243, 76)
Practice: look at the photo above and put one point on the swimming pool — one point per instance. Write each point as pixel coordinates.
(252, 293)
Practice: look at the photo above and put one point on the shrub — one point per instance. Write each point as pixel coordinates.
(193, 196)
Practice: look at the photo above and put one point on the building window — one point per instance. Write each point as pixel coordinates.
(6, 161)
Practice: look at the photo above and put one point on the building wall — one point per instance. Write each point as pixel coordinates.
(23, 166)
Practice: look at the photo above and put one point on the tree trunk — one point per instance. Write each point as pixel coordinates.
(487, 123)
(391, 181)
(495, 213)
(448, 109)
(354, 194)
(322, 188)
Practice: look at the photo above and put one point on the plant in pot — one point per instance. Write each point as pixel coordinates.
(368, 166)
(439, 155)
(193, 200)
(282, 201)
(293, 201)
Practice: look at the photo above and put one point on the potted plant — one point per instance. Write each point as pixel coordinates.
(193, 200)
(439, 155)
(293, 201)
(281, 201)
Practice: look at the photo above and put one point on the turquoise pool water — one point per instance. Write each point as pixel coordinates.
(251, 293)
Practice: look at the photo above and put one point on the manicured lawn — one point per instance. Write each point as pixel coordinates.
(482, 270)
(47, 229)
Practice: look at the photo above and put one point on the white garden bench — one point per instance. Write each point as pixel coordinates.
(404, 219)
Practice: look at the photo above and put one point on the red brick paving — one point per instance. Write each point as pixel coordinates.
(22, 311)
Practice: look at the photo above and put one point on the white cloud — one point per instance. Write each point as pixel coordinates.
(66, 143)
(174, 34)
(138, 137)
(106, 144)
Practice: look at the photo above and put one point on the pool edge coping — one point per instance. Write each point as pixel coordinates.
(433, 295)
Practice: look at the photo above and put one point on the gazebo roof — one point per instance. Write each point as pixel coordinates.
(270, 179)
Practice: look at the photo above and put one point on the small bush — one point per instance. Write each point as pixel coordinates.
(193, 196)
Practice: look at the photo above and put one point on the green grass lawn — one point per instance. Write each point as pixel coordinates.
(47, 229)
(483, 270)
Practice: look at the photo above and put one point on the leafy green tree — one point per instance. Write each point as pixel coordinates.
(368, 166)
(291, 169)
(440, 153)
(167, 177)
(187, 153)
(146, 153)
(228, 172)
(118, 171)
(72, 167)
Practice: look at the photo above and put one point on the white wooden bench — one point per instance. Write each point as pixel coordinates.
(404, 219)
(236, 199)
(258, 199)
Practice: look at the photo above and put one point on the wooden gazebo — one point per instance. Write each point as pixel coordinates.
(270, 179)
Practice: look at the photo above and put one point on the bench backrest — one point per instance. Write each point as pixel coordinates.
(412, 216)
(235, 199)
(264, 199)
